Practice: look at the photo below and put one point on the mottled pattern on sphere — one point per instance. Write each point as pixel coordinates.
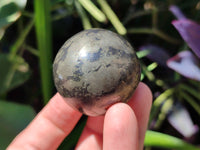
(94, 69)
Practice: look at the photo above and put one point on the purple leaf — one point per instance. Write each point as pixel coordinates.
(179, 117)
(186, 64)
(156, 54)
(177, 12)
(190, 32)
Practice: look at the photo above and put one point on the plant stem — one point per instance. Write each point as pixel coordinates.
(84, 18)
(191, 101)
(190, 90)
(154, 31)
(154, 17)
(15, 48)
(93, 10)
(136, 14)
(152, 66)
(112, 17)
(165, 36)
(44, 40)
(143, 53)
(163, 113)
(147, 73)
(10, 75)
(195, 83)
(20, 40)
(27, 14)
(32, 50)
(158, 101)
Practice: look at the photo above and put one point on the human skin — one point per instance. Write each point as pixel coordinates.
(122, 127)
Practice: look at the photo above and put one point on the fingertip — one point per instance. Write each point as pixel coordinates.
(120, 128)
(143, 90)
(141, 103)
(118, 111)
(147, 91)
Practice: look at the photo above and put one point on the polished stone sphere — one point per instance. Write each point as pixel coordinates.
(95, 69)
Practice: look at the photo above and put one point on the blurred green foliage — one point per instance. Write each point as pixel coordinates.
(14, 118)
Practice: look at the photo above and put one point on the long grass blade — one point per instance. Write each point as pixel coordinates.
(156, 139)
(44, 41)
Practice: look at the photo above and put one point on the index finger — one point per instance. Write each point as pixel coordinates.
(49, 128)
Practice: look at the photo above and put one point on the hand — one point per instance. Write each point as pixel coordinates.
(122, 127)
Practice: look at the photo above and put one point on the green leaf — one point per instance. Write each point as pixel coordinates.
(13, 119)
(12, 72)
(156, 139)
(10, 11)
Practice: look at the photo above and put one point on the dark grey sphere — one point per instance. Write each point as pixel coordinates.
(95, 69)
